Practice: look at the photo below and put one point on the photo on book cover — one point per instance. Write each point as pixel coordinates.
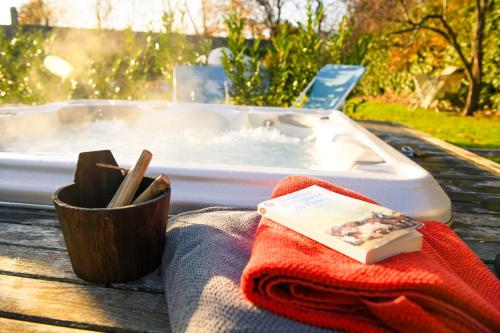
(379, 224)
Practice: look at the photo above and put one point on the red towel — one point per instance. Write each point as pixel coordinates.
(443, 288)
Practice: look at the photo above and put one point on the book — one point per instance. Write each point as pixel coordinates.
(363, 231)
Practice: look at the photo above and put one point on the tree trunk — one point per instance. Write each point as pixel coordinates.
(475, 77)
(204, 17)
(471, 103)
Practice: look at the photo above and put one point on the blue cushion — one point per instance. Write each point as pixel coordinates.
(332, 85)
(200, 84)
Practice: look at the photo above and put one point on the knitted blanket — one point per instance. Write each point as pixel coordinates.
(205, 252)
(443, 288)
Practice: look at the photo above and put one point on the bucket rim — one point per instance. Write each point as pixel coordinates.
(59, 203)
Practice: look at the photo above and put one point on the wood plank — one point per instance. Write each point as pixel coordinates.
(40, 251)
(452, 163)
(492, 180)
(29, 217)
(471, 207)
(36, 262)
(421, 150)
(461, 219)
(451, 169)
(487, 201)
(82, 306)
(474, 197)
(448, 173)
(437, 153)
(407, 140)
(53, 223)
(444, 161)
(55, 265)
(478, 233)
(486, 152)
(31, 236)
(482, 198)
(16, 326)
(5, 211)
(470, 190)
(484, 250)
(492, 269)
(441, 159)
(480, 161)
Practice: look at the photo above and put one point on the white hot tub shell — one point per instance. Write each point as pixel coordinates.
(348, 155)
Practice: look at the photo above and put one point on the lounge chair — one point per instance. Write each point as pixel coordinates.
(330, 87)
(428, 88)
(200, 84)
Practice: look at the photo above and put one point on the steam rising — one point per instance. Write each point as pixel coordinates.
(191, 136)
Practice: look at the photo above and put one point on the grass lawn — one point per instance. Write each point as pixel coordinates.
(474, 132)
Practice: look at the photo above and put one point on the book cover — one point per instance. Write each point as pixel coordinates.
(359, 229)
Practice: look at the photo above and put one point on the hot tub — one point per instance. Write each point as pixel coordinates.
(213, 154)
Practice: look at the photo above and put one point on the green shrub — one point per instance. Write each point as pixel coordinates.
(23, 79)
(243, 71)
(131, 71)
(345, 48)
(306, 56)
(381, 76)
(291, 60)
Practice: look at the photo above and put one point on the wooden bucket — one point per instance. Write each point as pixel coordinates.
(110, 245)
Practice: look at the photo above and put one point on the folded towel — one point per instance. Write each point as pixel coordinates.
(205, 252)
(443, 288)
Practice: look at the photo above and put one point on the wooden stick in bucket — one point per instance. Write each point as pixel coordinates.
(159, 185)
(128, 187)
(112, 167)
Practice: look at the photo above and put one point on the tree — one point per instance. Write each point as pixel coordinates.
(272, 10)
(204, 16)
(438, 22)
(213, 13)
(35, 12)
(259, 16)
(103, 9)
(319, 12)
(255, 21)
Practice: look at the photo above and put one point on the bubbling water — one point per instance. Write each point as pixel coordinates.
(250, 146)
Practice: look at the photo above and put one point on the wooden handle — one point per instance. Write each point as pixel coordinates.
(159, 185)
(112, 167)
(128, 187)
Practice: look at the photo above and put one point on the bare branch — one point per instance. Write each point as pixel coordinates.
(454, 42)
(447, 33)
(416, 27)
(188, 12)
(268, 9)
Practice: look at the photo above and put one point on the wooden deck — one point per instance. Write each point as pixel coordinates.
(40, 293)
